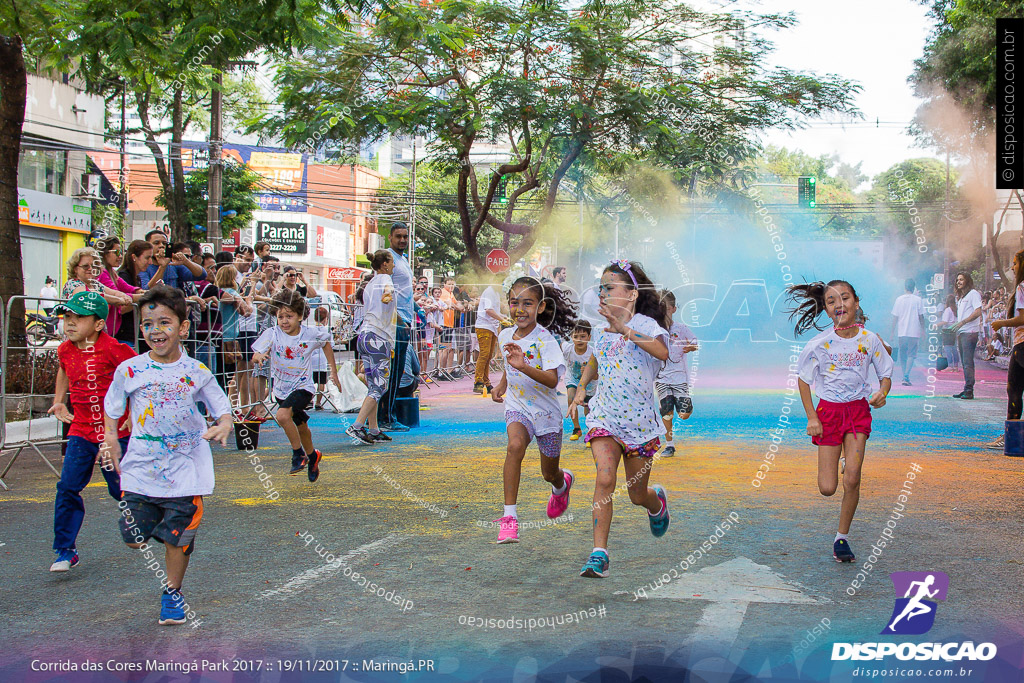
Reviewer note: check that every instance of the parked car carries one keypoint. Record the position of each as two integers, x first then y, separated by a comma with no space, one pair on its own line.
339,317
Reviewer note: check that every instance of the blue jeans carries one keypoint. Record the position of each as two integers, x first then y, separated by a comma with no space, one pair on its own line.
386,406
75,473
207,355
968,342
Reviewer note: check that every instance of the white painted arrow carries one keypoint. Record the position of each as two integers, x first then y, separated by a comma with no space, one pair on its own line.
729,588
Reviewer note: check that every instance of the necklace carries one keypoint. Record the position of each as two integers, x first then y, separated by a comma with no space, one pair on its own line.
848,327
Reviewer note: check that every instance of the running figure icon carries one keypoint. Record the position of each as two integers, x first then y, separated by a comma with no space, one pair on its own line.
919,591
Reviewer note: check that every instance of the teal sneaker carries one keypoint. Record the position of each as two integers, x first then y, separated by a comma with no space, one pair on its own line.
659,523
596,566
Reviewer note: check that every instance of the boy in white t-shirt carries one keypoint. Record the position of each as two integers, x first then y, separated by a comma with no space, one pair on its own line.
673,380
291,347
168,466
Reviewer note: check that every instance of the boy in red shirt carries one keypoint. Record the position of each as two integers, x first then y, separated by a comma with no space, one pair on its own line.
88,359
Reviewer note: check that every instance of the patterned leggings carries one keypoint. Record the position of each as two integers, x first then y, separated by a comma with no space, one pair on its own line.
375,352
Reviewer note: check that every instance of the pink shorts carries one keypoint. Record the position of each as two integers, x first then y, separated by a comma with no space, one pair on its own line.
840,419
644,450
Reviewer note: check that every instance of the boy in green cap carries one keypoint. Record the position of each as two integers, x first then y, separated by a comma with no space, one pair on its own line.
87,359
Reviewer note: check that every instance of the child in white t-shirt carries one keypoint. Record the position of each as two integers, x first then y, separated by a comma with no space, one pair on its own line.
673,381
321,319
623,423
837,363
577,355
291,347
168,466
529,388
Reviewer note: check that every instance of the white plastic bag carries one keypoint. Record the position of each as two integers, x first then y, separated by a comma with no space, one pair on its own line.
350,399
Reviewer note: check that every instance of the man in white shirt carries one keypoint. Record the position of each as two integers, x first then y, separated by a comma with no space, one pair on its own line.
488,318
908,324
967,328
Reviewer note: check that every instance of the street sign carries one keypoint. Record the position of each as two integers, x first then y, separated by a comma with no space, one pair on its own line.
497,261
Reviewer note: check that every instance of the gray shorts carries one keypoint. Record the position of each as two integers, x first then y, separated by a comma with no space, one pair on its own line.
674,398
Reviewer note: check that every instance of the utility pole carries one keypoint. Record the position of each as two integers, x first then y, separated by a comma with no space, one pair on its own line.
945,232
122,201
412,212
215,188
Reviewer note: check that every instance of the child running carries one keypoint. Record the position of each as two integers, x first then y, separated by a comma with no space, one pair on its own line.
577,355
321,318
836,362
673,382
376,343
623,422
291,347
168,466
533,368
88,359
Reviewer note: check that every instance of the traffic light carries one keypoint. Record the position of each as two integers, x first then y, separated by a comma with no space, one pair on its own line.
806,191
502,189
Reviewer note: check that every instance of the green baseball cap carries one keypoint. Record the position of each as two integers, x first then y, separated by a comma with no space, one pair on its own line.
85,303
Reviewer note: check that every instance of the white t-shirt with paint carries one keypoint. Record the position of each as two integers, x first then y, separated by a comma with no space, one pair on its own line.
676,371
379,316
575,362
291,357
965,307
625,401
167,456
908,310
838,369
488,301
527,396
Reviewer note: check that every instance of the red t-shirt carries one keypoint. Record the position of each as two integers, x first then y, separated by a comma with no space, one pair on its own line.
90,372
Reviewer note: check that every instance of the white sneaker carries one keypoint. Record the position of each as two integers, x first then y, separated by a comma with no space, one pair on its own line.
66,559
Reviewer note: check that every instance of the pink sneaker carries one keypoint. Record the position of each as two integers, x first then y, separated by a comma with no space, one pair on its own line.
509,529
557,504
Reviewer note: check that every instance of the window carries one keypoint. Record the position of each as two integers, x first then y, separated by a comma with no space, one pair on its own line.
43,170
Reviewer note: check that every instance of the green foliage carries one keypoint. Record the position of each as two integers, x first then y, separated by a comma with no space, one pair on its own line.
437,220
600,84
239,185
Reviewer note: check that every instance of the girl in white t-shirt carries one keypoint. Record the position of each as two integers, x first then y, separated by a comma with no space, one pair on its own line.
837,363
623,423
529,389
1015,319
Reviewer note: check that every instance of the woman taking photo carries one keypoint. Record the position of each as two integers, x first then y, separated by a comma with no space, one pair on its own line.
109,249
294,281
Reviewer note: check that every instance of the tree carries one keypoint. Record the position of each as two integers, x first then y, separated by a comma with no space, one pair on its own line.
437,218
603,83
24,31
956,76
168,55
239,187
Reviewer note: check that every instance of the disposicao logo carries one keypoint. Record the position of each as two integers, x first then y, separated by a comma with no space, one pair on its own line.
914,614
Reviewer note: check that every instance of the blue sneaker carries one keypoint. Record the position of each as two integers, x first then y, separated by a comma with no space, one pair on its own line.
659,523
596,566
841,551
172,608
66,559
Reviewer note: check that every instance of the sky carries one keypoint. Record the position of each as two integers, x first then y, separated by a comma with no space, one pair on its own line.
872,42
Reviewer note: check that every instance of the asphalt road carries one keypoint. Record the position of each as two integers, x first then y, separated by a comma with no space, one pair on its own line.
413,518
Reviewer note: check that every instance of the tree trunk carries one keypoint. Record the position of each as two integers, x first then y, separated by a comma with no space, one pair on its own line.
169,168
13,89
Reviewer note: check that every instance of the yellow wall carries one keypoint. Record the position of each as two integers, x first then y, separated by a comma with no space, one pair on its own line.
69,241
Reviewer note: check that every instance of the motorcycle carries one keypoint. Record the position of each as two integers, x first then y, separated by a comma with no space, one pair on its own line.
41,329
